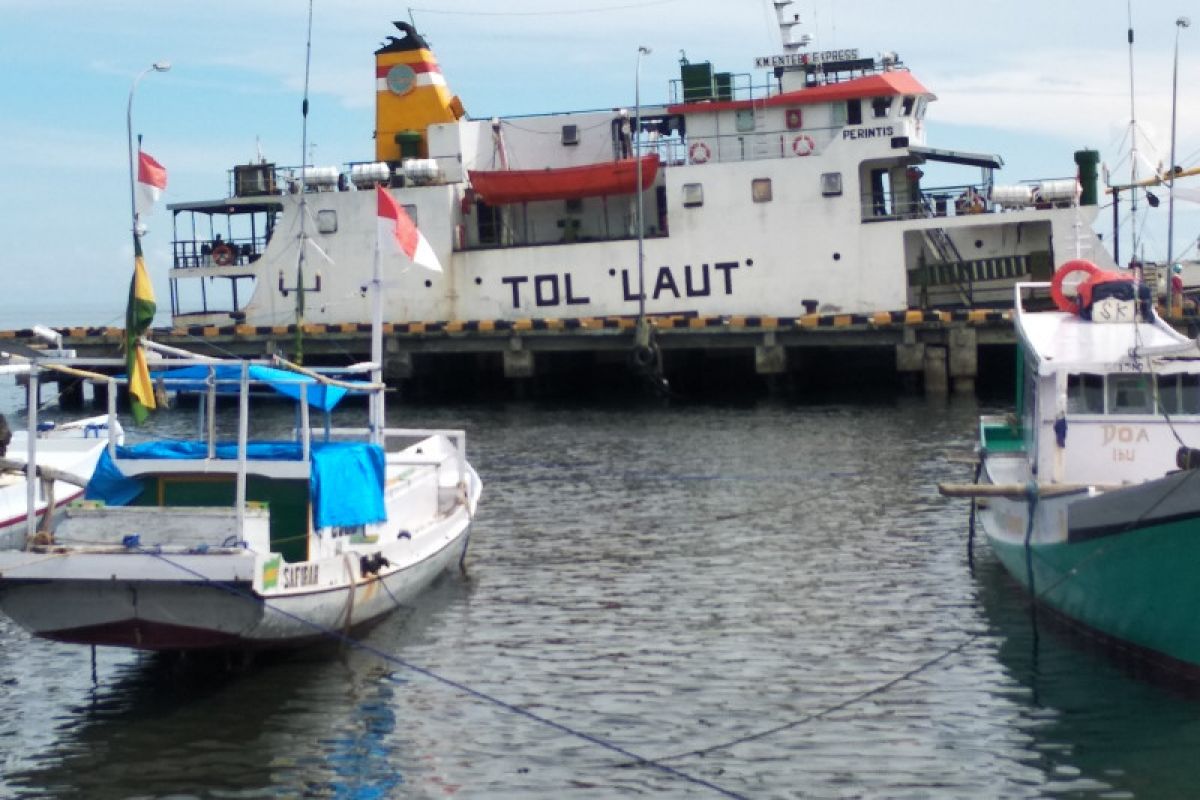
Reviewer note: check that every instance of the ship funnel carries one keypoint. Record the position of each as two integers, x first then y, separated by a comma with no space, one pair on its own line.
410,95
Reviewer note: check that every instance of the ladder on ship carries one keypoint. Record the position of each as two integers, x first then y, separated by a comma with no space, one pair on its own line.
942,246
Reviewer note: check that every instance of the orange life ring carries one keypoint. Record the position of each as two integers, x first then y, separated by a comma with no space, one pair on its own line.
1061,301
803,145
222,255
699,152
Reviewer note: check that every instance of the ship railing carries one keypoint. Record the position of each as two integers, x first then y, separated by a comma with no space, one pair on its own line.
206,252
926,203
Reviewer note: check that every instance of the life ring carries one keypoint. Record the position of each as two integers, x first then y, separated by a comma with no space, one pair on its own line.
699,152
1061,301
222,255
803,145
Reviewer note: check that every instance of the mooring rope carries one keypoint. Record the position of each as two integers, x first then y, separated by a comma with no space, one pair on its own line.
858,698
633,758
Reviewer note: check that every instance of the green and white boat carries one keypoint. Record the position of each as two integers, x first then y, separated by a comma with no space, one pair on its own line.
1088,493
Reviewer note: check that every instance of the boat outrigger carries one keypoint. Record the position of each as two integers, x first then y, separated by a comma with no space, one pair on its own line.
794,188
243,544
1090,494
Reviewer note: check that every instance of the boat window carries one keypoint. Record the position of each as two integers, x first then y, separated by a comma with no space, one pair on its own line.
854,112
839,114
906,106
693,195
831,184
760,190
1179,394
1129,394
745,120
1085,394
921,106
327,221
881,106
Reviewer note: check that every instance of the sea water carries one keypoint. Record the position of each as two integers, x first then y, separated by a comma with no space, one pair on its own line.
765,599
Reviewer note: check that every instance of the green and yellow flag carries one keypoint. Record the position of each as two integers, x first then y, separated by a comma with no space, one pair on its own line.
138,317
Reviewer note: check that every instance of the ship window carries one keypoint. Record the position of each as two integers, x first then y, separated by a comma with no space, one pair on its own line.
906,106
693,195
327,221
921,106
839,114
1129,394
854,112
745,120
1179,394
570,134
881,106
1085,394
831,184
760,190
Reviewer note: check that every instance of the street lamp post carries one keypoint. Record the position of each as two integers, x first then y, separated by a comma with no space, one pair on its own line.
1180,24
157,66
637,155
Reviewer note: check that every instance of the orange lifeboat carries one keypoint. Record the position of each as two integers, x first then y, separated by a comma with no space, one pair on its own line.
501,187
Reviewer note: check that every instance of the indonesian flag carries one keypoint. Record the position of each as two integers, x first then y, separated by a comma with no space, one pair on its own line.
396,226
151,181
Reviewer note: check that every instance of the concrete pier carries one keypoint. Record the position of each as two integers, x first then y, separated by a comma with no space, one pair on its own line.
933,351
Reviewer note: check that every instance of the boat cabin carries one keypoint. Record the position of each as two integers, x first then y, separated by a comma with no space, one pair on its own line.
1099,395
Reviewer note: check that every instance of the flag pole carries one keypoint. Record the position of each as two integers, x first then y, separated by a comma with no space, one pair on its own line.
376,405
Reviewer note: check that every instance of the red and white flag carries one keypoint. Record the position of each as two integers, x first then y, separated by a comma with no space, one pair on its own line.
151,181
396,226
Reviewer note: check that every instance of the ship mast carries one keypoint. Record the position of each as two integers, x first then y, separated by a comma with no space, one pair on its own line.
787,21
299,355
1133,154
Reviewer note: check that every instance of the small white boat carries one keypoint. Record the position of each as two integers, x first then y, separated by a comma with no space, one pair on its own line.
207,544
65,453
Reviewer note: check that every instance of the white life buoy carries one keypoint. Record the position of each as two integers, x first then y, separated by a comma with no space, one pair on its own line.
699,152
803,145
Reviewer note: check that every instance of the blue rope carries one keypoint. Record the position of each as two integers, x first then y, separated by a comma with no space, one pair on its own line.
487,698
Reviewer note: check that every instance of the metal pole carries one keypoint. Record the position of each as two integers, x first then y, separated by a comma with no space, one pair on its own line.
157,66
637,154
1180,24
31,457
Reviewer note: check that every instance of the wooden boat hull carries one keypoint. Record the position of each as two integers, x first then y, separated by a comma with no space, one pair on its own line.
1134,583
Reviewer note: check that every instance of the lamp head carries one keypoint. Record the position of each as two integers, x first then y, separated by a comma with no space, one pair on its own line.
161,66
1183,22
644,50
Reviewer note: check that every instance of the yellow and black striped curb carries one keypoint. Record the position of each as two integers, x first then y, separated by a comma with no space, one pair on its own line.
877,319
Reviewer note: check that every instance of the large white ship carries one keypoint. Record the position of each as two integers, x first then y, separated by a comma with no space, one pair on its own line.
795,189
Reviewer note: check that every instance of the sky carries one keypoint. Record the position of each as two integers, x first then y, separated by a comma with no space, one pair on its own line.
1030,81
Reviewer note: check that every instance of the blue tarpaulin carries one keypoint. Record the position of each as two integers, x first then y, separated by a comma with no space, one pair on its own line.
345,482
228,376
